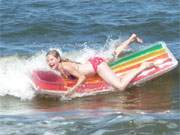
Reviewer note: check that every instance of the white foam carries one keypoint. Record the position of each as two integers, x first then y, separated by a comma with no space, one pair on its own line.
15,75
15,71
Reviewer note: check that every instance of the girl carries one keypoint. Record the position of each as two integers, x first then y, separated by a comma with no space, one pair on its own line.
95,65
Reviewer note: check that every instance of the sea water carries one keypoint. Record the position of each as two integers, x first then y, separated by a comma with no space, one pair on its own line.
80,29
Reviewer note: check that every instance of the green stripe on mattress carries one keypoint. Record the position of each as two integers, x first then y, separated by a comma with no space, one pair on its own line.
154,47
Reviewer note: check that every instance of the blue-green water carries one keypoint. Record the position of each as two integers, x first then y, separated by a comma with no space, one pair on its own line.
81,28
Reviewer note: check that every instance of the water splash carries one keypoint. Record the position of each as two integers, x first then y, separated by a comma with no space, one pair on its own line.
15,75
15,71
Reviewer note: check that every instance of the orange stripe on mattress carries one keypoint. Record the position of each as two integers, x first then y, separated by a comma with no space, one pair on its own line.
136,65
140,60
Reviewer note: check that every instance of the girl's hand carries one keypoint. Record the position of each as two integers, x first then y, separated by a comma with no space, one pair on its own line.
70,92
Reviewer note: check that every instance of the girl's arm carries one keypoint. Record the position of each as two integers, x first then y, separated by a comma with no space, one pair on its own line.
73,71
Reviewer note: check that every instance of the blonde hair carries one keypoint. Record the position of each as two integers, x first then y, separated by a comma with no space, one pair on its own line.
56,54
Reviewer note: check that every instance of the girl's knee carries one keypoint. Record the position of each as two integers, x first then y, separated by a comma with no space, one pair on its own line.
121,88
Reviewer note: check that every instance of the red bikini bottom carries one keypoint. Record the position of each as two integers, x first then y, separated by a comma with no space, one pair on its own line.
96,61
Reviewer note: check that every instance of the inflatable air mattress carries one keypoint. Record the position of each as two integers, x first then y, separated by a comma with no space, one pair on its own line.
48,82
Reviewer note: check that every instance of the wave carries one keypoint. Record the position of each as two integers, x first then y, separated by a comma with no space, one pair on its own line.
15,71
15,75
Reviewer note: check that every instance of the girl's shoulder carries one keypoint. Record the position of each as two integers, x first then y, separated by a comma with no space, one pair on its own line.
68,65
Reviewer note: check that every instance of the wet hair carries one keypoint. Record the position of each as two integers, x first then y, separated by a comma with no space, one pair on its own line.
56,54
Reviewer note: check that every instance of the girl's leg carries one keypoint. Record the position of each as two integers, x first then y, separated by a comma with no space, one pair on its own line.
124,45
105,72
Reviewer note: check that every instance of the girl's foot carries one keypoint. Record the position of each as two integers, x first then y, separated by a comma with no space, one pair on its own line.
135,38
124,46
147,65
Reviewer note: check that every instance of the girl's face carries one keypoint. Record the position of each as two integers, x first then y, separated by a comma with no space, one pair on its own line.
53,62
